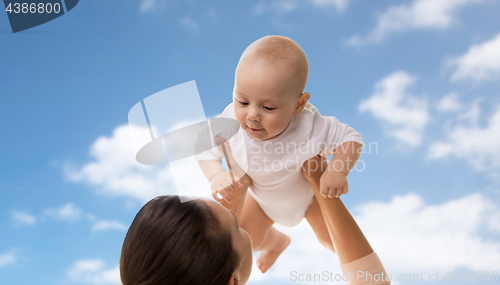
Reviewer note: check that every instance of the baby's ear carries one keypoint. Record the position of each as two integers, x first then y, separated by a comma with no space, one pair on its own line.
301,103
233,281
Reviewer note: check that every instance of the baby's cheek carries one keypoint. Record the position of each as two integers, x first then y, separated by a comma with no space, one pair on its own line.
239,117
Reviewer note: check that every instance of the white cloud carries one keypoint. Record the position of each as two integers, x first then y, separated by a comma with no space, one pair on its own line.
480,146
449,103
420,14
23,218
471,116
115,172
341,5
108,225
403,116
285,6
406,232
147,5
68,212
480,63
7,259
151,5
93,271
189,24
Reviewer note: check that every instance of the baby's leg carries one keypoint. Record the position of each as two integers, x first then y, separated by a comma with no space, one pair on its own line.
265,238
315,218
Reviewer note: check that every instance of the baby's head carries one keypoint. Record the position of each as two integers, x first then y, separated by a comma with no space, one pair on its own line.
269,86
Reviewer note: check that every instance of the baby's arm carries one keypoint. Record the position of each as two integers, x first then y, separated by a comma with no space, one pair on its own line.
333,182
233,193
220,180
344,144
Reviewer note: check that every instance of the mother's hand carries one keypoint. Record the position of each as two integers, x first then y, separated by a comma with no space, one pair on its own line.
241,181
312,170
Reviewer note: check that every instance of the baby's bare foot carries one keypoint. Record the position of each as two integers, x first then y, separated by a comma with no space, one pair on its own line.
266,258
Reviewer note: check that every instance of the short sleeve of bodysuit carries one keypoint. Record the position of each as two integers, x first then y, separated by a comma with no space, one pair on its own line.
329,133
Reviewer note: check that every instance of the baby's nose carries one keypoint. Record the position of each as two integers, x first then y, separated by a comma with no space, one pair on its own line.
253,115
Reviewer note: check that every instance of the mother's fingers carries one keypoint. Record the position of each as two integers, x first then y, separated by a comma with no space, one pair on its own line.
231,189
238,173
225,145
226,149
225,196
219,139
216,198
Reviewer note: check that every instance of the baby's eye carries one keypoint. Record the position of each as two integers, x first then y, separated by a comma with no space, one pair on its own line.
243,103
269,108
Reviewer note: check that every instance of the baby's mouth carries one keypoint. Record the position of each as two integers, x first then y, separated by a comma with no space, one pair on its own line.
255,130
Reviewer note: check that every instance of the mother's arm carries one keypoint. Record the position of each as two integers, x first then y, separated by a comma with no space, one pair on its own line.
238,197
350,243
236,206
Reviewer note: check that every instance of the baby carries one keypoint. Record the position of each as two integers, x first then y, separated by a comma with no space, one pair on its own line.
279,131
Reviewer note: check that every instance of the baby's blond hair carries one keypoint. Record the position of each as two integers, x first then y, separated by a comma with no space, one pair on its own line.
279,48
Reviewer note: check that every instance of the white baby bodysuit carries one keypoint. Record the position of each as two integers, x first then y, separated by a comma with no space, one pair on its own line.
275,165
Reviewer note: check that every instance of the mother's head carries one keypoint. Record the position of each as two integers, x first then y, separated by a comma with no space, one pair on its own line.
195,242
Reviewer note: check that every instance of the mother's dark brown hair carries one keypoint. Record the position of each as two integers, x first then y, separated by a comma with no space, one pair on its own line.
176,243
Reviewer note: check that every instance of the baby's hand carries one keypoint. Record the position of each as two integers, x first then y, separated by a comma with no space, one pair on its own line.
222,183
333,184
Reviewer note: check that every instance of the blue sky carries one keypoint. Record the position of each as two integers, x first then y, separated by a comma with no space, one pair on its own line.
418,79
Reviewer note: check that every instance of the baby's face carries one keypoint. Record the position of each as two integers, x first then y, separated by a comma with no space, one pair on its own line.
263,99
